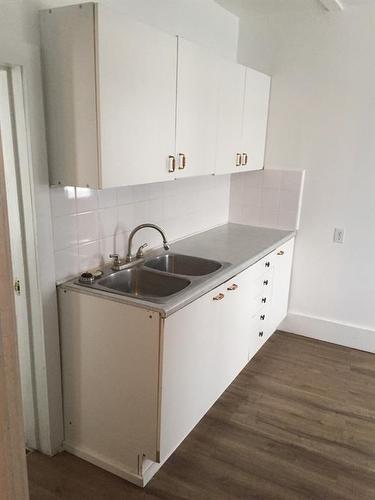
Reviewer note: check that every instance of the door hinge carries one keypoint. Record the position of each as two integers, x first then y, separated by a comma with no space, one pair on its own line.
17,287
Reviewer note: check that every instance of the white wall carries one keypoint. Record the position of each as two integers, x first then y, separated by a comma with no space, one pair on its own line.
202,21
322,119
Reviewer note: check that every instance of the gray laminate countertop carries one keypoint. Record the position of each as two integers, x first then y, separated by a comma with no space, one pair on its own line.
236,245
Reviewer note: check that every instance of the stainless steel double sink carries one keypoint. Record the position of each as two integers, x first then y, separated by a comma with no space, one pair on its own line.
158,278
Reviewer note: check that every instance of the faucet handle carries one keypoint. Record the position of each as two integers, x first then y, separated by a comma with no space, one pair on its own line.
140,251
115,257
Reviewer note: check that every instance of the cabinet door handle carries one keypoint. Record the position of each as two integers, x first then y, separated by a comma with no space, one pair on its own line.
264,300
281,252
238,159
267,264
219,296
265,282
181,161
260,334
172,163
244,159
262,317
232,287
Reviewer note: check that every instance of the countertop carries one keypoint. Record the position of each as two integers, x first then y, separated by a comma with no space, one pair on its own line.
238,245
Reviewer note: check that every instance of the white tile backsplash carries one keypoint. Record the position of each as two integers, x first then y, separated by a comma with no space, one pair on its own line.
86,199
63,201
270,198
90,224
107,222
89,255
103,219
65,231
67,262
107,198
88,230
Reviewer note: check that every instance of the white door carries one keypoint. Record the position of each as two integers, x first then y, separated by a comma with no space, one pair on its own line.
17,251
137,88
233,318
255,118
229,135
197,110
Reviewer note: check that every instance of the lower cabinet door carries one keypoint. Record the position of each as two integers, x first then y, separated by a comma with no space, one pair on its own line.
204,347
283,258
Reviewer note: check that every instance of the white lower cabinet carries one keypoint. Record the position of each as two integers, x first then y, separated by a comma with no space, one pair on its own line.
283,259
204,348
136,384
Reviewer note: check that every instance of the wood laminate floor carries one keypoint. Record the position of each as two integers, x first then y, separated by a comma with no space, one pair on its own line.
297,423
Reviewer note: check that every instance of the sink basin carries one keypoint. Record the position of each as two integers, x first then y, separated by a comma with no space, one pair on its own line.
183,264
141,283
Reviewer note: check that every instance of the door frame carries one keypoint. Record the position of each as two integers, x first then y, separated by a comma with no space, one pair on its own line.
13,477
47,385
14,133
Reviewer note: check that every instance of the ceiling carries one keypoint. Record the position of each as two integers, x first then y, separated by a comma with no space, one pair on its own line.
266,7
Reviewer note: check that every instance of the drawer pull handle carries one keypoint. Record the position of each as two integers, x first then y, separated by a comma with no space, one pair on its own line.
267,264
172,164
264,300
281,252
219,296
244,159
232,287
262,317
238,159
260,334
265,282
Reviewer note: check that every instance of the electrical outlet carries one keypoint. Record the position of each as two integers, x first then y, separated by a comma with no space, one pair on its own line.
338,235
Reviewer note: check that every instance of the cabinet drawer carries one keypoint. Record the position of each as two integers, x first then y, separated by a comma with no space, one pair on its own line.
260,329
259,301
263,265
256,271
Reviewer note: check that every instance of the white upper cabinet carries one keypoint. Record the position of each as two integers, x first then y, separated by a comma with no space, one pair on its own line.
69,74
231,100
256,100
242,123
137,86
197,108
110,97
127,104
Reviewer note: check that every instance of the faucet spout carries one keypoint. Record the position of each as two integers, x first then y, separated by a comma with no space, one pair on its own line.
129,256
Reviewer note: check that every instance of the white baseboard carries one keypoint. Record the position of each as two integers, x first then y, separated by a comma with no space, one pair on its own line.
330,331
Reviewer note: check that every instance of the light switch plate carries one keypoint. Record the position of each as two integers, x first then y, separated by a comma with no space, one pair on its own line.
338,235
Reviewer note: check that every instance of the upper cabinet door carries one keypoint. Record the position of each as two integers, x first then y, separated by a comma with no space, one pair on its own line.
197,107
137,88
231,99
255,118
